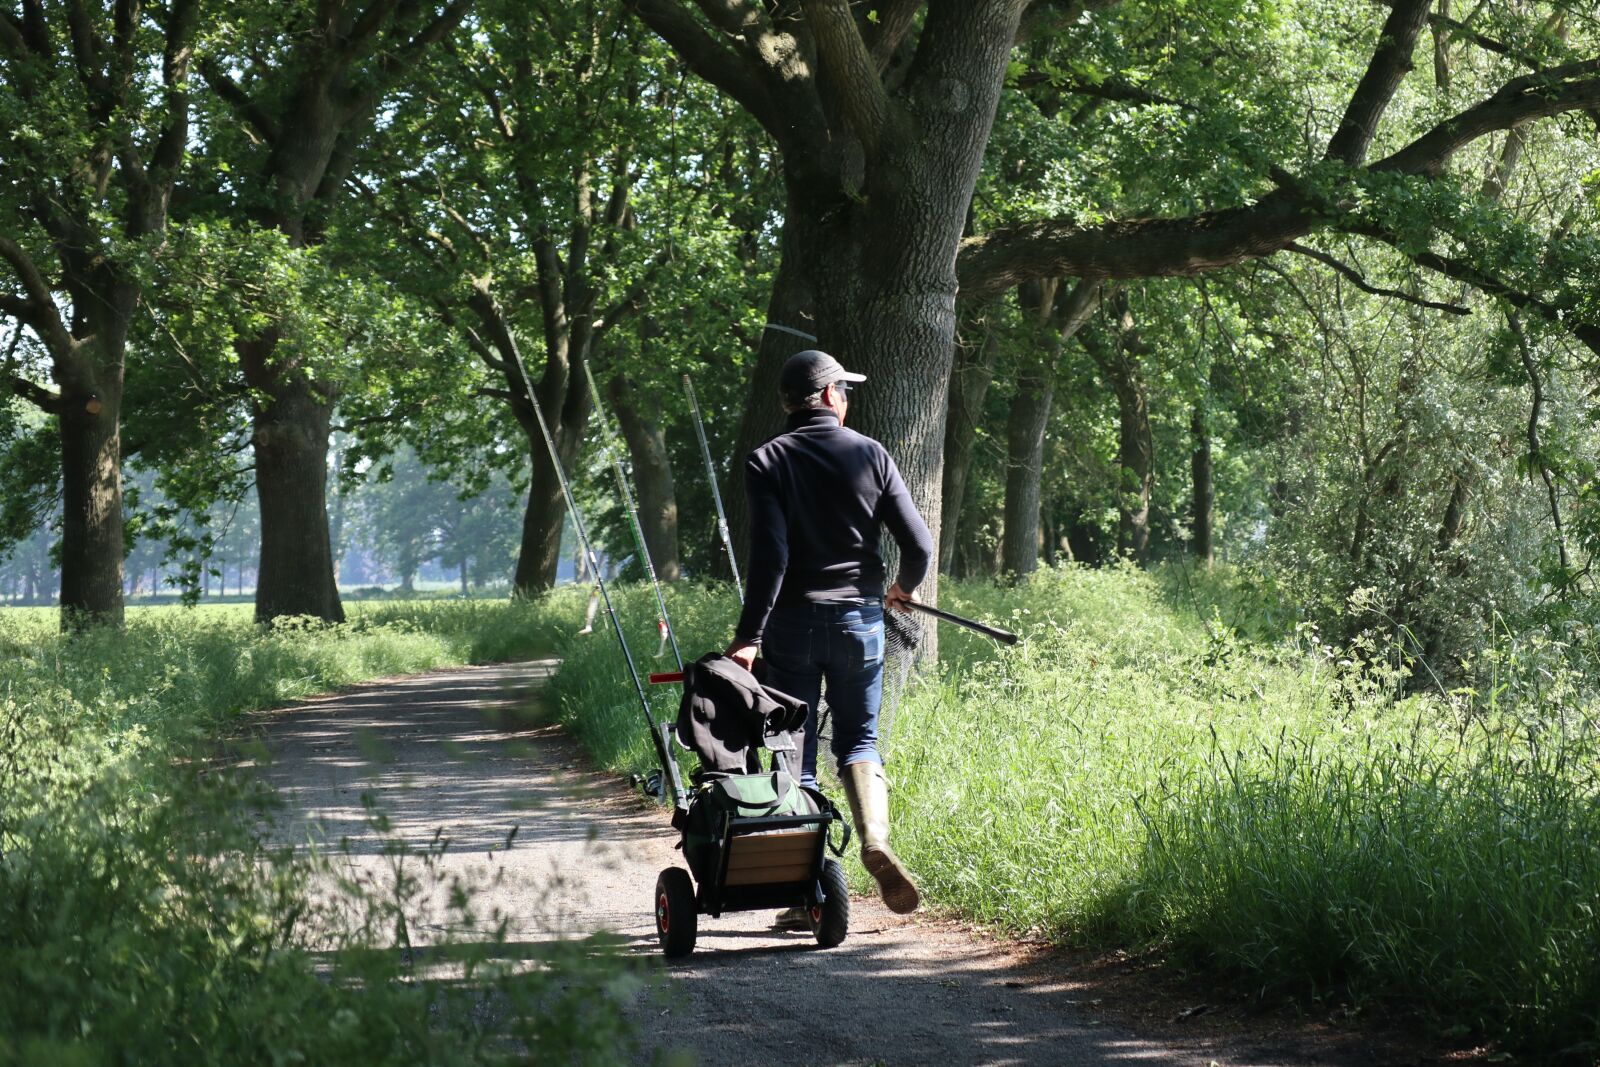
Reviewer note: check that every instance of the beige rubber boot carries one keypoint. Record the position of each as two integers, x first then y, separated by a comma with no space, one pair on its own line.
868,792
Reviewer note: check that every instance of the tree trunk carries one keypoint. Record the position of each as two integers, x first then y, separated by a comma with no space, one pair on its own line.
291,449
466,590
1117,356
1056,316
1025,426
792,306
878,181
969,384
1135,450
91,501
1200,470
1030,414
652,476
540,556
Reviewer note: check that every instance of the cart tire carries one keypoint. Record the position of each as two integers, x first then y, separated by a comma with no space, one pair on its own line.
830,920
676,912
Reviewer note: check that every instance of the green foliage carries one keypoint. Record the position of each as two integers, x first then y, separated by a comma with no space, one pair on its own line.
145,920
1170,758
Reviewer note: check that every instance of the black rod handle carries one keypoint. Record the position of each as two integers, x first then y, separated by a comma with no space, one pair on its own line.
1005,637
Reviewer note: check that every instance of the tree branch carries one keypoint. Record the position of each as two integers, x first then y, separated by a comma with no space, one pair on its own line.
1074,309
1376,290
367,26
894,22
724,68
431,34
1460,29
1391,62
181,20
44,318
86,58
21,310
1572,87
11,37
34,27
633,299
236,98
35,394
996,261
1536,455
849,73
1462,271
733,17
1111,89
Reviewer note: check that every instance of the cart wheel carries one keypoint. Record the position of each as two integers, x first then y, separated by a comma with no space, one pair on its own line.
830,920
676,916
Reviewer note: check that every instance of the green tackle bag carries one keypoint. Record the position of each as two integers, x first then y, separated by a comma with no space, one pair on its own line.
743,796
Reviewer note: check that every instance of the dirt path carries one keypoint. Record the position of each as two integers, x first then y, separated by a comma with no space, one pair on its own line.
450,752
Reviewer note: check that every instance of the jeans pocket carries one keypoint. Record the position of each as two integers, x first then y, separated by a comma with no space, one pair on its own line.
866,643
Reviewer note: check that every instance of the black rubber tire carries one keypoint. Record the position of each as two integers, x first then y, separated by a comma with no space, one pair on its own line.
677,916
830,920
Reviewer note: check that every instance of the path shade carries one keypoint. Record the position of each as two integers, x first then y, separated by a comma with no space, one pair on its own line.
458,754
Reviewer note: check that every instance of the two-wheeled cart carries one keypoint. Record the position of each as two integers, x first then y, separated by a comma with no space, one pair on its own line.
751,841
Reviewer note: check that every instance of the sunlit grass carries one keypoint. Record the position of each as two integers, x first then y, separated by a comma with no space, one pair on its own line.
142,918
1137,772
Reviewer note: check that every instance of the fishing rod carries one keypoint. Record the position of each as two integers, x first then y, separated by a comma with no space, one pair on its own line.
615,456
716,494
659,732
1003,636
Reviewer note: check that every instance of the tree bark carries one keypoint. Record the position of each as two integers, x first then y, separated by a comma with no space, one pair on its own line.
1057,316
291,450
542,522
1135,452
90,418
652,475
792,305
90,212
969,384
877,190
1118,359
1200,474
1030,414
1025,427
312,111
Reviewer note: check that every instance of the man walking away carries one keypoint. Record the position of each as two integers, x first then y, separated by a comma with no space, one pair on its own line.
820,495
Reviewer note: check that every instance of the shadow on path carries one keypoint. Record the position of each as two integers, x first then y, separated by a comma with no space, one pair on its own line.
460,755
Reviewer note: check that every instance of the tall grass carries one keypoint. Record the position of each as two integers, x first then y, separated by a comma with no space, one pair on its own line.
1165,759
142,920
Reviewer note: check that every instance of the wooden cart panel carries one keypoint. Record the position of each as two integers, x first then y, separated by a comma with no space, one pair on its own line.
762,859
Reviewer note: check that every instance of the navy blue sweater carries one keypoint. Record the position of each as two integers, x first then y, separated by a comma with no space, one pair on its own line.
820,495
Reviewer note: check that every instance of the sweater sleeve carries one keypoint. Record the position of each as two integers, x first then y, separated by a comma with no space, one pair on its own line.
769,551
900,517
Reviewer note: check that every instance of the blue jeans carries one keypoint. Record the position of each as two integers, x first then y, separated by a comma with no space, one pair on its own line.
842,643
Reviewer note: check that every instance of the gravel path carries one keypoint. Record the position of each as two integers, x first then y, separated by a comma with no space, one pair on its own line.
456,752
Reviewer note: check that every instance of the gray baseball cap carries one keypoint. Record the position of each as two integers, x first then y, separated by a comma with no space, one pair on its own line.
806,372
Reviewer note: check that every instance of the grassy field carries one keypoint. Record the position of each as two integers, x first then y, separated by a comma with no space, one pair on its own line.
1166,762
141,921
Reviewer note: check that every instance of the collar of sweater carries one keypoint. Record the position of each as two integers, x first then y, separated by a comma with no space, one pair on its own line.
812,417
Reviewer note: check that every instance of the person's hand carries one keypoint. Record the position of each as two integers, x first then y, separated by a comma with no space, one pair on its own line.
898,598
743,654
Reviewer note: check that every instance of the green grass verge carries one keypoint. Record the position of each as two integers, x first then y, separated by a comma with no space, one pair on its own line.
1136,772
141,918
